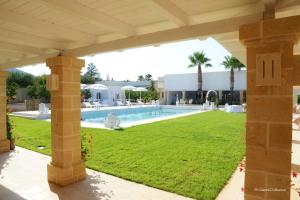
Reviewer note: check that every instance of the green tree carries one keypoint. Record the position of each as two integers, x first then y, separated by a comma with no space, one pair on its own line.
198,59
38,89
92,71
87,80
11,91
86,94
148,77
141,78
91,75
21,79
151,87
231,63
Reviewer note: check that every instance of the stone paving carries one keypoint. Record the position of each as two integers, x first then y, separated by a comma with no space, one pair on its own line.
23,176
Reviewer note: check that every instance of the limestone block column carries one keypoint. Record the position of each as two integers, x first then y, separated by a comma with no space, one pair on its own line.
241,96
269,107
4,142
66,166
220,96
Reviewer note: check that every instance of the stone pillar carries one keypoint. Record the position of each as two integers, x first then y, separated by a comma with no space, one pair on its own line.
4,142
66,166
269,107
184,95
220,96
241,96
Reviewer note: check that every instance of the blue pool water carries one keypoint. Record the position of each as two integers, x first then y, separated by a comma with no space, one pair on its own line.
133,114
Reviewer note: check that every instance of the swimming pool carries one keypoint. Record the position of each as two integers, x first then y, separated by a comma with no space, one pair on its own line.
136,114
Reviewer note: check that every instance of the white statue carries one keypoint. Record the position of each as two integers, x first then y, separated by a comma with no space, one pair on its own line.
43,109
212,105
111,121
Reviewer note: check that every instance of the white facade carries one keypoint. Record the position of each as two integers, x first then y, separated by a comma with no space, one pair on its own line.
114,91
211,81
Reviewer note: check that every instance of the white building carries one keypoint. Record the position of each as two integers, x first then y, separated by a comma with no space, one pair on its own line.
114,91
185,85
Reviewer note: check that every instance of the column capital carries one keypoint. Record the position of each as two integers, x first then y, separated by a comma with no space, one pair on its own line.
271,31
65,62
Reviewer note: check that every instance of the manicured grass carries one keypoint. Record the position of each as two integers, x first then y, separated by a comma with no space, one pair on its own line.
193,156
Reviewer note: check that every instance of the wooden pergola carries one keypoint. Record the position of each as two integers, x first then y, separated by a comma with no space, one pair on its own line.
261,33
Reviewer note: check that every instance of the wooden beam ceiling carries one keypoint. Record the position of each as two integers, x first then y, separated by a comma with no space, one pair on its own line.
39,26
178,34
30,40
21,48
92,16
172,12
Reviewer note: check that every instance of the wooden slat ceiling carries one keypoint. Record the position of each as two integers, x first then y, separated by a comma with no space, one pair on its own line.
32,30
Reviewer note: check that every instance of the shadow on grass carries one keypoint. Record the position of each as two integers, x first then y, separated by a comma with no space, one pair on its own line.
119,129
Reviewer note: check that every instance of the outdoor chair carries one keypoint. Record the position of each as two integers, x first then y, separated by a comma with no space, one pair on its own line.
139,102
128,103
97,104
119,103
87,105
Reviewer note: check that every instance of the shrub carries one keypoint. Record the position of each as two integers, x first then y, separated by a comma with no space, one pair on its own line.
86,146
11,91
146,95
9,132
38,89
85,94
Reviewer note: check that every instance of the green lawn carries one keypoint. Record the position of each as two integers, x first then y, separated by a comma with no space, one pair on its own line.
192,156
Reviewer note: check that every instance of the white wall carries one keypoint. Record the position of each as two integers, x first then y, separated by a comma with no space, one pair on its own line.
211,81
108,95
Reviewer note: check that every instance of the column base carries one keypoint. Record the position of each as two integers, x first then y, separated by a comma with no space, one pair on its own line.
65,176
4,145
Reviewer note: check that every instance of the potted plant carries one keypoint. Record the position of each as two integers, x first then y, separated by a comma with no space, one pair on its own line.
9,134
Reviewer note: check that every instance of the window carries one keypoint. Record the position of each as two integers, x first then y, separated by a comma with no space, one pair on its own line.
98,96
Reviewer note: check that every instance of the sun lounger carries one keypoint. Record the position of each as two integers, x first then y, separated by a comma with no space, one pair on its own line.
97,104
119,103
157,102
87,105
128,103
181,101
140,102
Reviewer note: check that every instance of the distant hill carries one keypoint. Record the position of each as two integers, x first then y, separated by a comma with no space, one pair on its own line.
17,70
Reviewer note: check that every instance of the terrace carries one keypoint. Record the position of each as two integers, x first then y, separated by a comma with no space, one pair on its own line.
262,33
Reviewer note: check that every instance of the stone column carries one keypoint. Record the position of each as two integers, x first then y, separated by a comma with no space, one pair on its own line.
269,107
66,166
241,96
184,96
220,95
4,142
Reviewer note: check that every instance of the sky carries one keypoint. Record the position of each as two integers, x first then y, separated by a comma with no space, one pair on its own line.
169,58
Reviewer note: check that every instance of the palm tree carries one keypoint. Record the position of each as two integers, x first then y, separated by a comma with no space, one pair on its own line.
232,64
197,60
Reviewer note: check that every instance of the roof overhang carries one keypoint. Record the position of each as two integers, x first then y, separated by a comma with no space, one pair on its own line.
31,31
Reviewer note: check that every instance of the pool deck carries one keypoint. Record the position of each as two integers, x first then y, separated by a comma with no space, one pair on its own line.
37,115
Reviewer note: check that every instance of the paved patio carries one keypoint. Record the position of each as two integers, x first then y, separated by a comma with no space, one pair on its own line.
20,181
